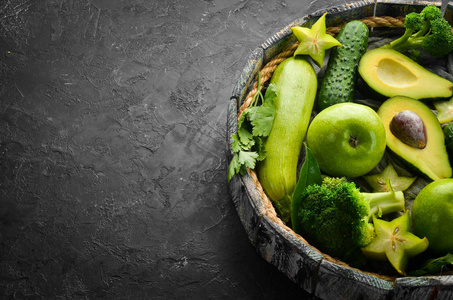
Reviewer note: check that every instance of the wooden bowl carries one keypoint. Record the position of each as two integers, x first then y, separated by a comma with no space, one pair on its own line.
316,272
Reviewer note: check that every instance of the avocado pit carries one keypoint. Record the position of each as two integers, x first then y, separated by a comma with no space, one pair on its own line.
431,162
409,128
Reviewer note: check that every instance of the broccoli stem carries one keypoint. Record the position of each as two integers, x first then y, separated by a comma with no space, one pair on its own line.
400,41
384,202
410,44
425,28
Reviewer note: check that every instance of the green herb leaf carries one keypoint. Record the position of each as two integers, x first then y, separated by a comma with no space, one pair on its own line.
242,170
248,158
234,166
309,174
254,124
236,143
435,266
246,137
260,149
262,119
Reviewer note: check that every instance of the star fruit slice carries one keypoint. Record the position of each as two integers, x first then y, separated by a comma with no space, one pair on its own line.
445,110
315,41
379,184
394,242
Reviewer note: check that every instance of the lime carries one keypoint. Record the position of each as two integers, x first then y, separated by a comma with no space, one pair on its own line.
432,215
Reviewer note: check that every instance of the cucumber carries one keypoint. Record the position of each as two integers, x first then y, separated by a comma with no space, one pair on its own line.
338,84
296,85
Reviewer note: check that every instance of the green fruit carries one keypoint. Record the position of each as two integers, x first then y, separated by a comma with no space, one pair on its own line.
347,139
448,132
296,84
338,84
445,110
394,242
432,160
391,73
432,215
314,41
398,183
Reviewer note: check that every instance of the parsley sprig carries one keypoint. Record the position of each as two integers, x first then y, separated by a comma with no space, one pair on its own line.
254,125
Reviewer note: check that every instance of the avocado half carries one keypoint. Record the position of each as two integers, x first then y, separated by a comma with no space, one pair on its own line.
432,160
390,73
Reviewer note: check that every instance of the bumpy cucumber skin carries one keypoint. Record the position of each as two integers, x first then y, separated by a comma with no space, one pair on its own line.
296,84
339,82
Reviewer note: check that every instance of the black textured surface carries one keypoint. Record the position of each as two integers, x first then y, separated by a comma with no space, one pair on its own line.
112,149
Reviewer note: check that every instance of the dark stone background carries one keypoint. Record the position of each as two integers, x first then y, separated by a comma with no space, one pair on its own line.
112,148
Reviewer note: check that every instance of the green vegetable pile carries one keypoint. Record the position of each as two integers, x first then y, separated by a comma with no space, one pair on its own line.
336,215
360,163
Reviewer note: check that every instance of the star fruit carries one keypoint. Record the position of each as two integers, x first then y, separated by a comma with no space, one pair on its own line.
315,41
394,242
398,183
445,110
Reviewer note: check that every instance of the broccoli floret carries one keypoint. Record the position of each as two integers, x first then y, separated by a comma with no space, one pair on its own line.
336,217
427,31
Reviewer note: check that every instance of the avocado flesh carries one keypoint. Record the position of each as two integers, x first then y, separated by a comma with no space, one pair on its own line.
391,73
432,161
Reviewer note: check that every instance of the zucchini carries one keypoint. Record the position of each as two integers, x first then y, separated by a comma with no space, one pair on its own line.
338,84
296,83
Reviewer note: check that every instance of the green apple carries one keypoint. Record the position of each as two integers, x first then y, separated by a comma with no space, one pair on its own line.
347,139
432,215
